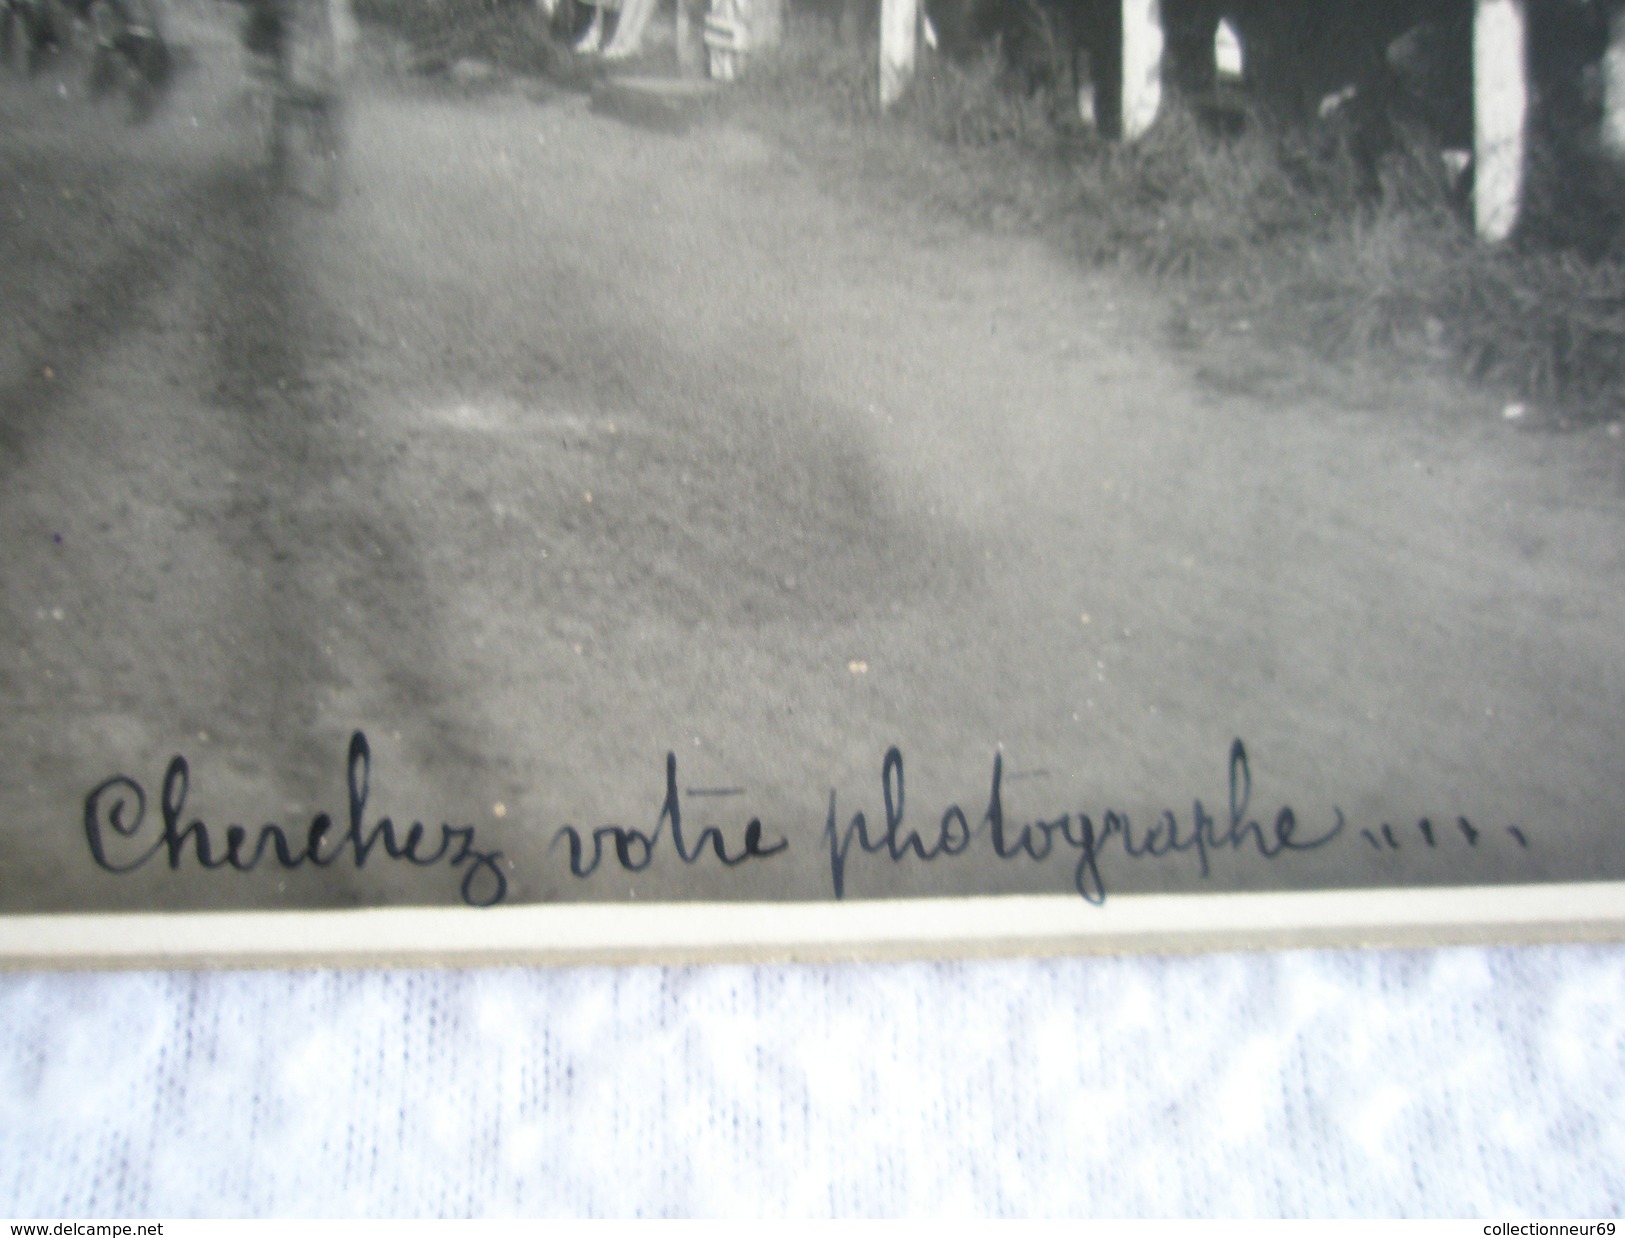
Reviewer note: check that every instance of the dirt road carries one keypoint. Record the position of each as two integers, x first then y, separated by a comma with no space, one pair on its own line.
560,444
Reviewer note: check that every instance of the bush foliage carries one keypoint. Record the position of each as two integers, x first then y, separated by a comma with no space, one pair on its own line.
1283,228
510,34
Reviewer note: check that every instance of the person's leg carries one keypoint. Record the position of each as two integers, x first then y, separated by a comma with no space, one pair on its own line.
594,36
628,38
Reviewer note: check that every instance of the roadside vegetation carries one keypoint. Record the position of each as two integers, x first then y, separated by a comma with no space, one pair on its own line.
513,37
1283,235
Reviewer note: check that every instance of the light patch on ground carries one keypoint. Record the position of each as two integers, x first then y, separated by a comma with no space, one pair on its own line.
495,415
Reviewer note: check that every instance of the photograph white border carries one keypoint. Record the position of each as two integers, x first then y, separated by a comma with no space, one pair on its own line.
965,927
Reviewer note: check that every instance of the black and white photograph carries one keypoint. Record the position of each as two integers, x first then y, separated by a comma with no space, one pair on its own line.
478,455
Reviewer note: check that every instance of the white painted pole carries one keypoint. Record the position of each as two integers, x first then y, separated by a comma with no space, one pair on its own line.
899,22
1500,108
1613,87
1142,65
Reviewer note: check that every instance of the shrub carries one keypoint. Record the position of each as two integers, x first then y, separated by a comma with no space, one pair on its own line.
1293,229
813,68
971,104
510,34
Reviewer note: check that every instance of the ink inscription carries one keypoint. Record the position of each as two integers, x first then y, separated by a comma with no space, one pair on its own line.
120,842
1036,840
123,837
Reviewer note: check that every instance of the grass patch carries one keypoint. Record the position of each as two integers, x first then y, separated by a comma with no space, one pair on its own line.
511,35
1281,230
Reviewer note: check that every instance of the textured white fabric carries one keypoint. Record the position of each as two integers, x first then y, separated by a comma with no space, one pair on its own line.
1455,1082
